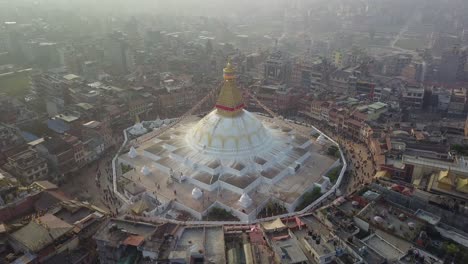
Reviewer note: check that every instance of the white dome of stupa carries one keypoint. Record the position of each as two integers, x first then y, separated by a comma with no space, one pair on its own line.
197,193
132,153
145,170
229,131
240,135
245,201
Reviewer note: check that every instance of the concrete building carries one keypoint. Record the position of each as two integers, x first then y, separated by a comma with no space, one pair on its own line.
457,104
78,149
90,70
366,89
9,137
176,94
277,68
452,65
307,74
28,166
394,64
118,54
40,234
58,232
278,98
14,41
124,239
345,81
413,97
60,155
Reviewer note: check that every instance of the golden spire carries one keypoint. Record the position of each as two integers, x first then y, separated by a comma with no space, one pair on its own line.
230,98
137,119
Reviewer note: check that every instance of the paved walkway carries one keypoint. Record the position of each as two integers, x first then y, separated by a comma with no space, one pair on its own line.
360,165
93,184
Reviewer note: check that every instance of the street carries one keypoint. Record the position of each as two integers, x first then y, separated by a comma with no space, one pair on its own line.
361,169
94,184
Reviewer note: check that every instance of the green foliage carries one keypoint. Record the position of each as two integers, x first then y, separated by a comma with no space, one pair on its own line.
15,85
220,214
460,149
125,168
271,209
451,248
333,151
308,198
411,43
334,173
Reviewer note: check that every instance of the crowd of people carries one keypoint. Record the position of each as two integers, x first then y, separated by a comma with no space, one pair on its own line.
108,198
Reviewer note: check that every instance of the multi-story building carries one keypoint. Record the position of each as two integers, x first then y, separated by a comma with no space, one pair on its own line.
140,105
14,41
452,65
118,54
9,137
59,229
55,90
316,110
277,68
441,99
415,72
413,97
90,70
65,123
457,104
307,74
27,165
78,149
344,80
278,98
375,110
366,88
176,95
98,129
394,64
60,155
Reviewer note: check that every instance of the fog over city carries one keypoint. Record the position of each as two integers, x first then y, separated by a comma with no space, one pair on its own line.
244,131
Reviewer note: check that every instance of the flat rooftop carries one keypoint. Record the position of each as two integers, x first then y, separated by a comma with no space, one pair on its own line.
208,239
383,215
291,250
383,247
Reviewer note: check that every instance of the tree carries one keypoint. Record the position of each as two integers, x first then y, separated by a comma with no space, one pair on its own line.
451,249
309,197
333,151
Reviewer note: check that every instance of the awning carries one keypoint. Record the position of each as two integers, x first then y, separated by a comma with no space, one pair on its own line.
462,185
273,225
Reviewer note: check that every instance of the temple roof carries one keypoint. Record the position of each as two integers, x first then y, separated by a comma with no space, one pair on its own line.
462,185
444,177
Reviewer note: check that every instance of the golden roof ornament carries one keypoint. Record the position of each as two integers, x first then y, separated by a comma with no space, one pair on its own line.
137,119
230,101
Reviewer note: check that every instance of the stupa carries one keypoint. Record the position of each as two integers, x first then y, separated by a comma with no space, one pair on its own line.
237,159
132,153
229,131
138,128
145,170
